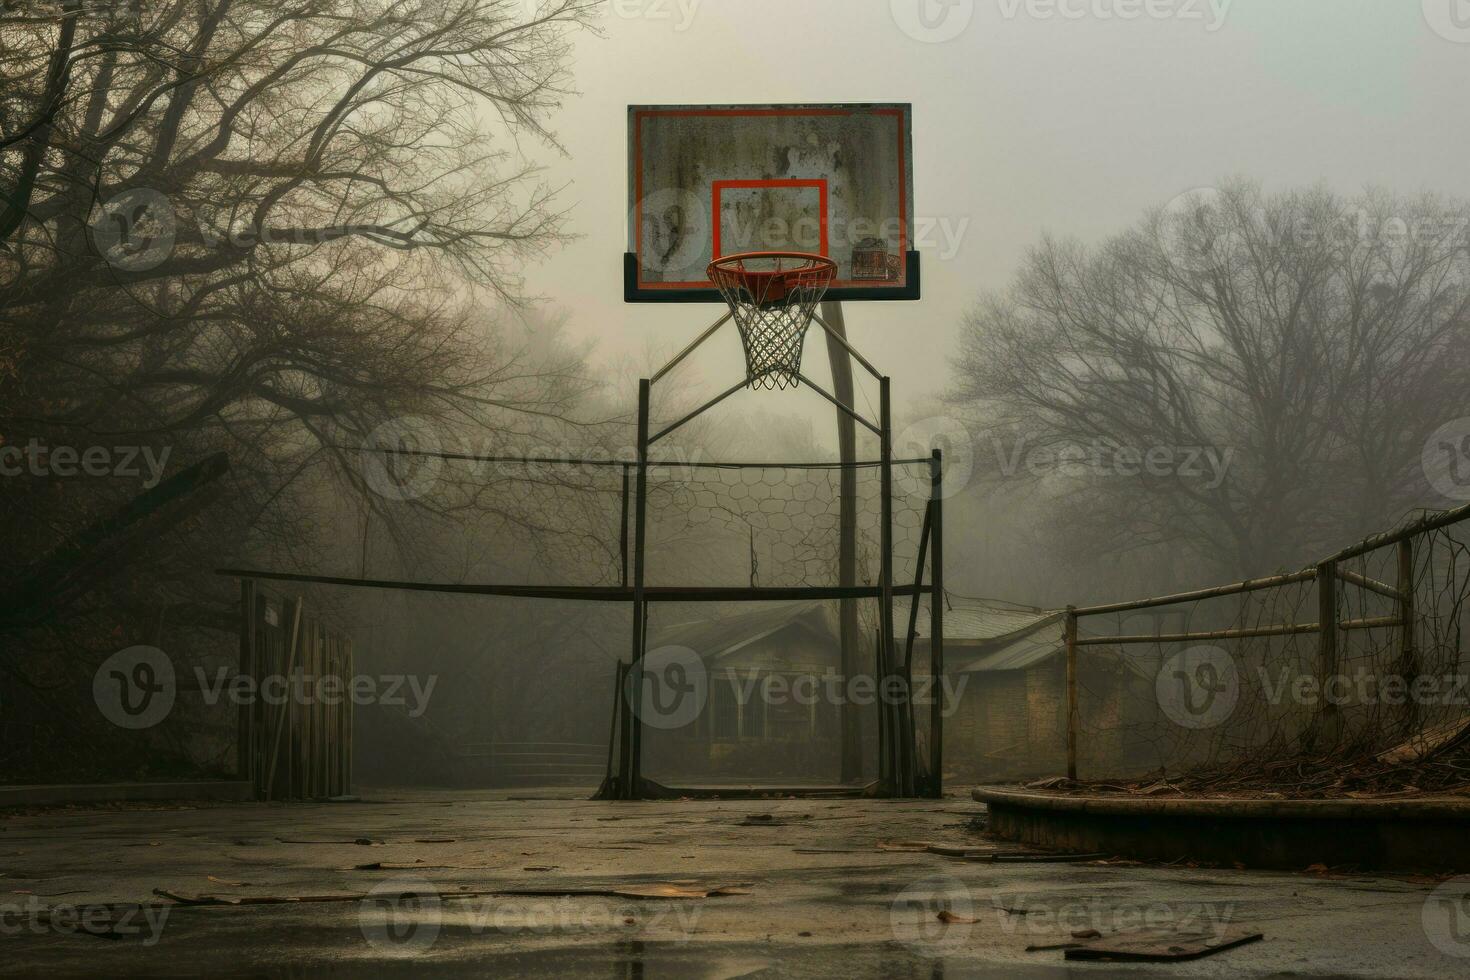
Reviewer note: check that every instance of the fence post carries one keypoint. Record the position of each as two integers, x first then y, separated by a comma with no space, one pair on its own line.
1326,720
1071,638
1408,656
245,737
936,621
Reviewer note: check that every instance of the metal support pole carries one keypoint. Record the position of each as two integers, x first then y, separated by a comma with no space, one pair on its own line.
1071,639
850,721
623,531
245,738
1325,724
1408,655
633,772
936,623
902,733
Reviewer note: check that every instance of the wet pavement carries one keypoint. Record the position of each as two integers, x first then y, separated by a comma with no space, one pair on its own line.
441,885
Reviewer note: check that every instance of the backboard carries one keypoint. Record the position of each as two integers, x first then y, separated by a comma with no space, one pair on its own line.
710,181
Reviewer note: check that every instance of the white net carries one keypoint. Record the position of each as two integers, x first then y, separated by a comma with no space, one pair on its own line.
773,297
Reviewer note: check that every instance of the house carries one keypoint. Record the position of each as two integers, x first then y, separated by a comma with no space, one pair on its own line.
774,687
748,728
1007,666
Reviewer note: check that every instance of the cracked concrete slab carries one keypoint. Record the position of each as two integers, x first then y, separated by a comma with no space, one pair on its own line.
815,895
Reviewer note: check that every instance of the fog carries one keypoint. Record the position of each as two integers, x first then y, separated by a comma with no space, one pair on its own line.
1023,125
1196,310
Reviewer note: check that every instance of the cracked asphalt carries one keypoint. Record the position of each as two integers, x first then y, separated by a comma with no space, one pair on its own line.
537,883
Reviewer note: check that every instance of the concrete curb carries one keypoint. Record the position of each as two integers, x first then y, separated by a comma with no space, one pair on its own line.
224,790
1410,834
1420,808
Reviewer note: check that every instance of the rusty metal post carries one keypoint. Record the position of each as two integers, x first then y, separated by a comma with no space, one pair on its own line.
902,730
633,770
936,622
623,532
1072,714
1408,655
850,721
1324,725
245,735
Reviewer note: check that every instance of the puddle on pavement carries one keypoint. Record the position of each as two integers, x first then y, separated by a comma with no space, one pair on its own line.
656,961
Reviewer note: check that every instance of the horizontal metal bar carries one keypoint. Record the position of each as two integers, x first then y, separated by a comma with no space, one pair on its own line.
1372,585
576,461
1432,522
1230,634
596,593
840,407
1239,634
1369,624
693,346
1235,588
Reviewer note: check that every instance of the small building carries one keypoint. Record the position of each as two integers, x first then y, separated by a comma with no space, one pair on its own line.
1007,668
771,714
741,732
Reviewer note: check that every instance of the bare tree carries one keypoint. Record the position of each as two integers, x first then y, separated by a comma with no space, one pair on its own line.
265,227
1247,377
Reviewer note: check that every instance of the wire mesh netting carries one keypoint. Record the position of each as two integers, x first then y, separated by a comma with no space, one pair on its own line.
709,524
779,525
1381,705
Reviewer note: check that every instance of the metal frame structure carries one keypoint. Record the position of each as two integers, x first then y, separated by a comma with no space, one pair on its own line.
898,770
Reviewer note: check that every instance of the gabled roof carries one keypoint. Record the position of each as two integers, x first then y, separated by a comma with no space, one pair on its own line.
722,635
1006,635
968,620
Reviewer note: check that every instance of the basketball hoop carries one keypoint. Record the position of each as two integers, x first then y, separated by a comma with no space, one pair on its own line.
773,296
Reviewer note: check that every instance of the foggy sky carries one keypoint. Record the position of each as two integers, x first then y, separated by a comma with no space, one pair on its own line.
1035,118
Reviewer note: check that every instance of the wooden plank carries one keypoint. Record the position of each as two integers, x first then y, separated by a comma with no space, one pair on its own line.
281,720
1163,947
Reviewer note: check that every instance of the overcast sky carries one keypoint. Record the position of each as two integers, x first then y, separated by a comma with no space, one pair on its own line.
1029,117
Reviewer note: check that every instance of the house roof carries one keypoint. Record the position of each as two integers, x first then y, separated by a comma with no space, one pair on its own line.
1007,636
975,620
722,635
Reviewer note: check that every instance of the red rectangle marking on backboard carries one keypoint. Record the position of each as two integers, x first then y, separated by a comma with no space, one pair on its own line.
719,186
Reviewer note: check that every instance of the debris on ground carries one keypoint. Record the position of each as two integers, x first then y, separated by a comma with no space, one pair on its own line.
636,890
1039,857
1162,947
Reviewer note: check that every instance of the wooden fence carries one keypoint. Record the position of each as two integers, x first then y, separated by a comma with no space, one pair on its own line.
296,733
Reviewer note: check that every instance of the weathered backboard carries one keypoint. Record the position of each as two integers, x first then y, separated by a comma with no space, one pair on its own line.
707,181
